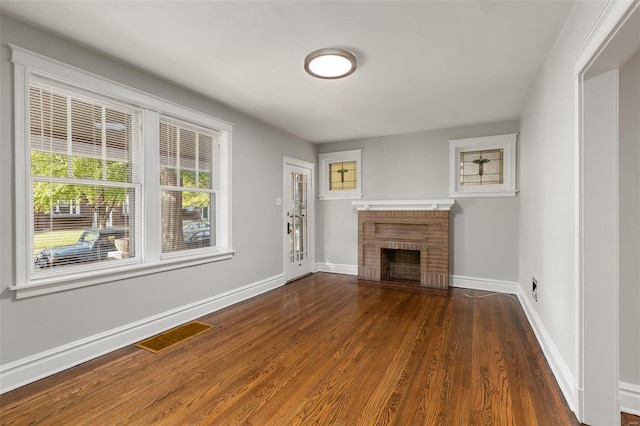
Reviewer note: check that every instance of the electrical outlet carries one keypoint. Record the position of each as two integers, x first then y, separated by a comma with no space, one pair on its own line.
534,288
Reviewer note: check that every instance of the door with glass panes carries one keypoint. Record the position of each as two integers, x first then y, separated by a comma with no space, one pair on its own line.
298,209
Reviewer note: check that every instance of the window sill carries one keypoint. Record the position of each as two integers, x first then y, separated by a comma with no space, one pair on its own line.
479,194
58,284
352,196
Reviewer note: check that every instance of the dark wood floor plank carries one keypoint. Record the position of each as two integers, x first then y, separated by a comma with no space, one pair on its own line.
326,349
456,363
514,356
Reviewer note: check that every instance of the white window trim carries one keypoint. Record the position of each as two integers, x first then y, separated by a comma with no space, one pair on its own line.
505,142
336,157
28,65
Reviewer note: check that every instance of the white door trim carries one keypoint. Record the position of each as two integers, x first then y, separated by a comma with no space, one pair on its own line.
612,18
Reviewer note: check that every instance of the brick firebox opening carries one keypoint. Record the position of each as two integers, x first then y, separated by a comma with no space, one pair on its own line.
424,232
401,265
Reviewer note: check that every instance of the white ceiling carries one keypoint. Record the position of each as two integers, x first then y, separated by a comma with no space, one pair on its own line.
421,64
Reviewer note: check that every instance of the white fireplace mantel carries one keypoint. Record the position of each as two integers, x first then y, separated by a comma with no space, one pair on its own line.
372,205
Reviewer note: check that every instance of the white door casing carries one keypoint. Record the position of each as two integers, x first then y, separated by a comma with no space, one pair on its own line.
606,48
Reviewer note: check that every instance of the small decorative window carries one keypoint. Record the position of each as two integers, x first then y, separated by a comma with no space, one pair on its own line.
340,175
483,167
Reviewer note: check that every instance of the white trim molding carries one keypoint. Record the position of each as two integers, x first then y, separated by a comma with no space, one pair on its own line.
335,268
439,204
300,163
497,286
629,398
126,272
43,364
561,371
611,19
612,15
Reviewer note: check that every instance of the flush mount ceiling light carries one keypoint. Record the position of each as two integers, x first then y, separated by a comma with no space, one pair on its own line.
330,63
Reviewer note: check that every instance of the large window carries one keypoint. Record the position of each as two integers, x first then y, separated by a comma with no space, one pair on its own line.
111,182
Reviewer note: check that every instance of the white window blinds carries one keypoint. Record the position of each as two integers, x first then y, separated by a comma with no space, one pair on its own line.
84,179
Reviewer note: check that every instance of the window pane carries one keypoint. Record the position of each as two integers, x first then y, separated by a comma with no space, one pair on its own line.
189,155
481,167
80,138
342,176
47,121
185,220
76,225
205,161
72,139
188,176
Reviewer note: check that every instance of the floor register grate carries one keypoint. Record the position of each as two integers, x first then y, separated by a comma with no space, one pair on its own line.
174,336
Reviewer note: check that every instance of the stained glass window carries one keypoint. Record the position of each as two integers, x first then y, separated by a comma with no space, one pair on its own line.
342,176
481,167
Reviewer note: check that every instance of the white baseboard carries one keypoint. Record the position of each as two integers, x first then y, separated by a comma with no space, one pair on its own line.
561,372
337,268
35,367
559,368
497,286
630,398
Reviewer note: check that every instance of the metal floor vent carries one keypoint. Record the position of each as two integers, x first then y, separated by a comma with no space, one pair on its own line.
172,337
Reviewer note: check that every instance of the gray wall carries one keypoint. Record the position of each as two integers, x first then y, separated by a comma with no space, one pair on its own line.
416,166
30,326
549,210
629,154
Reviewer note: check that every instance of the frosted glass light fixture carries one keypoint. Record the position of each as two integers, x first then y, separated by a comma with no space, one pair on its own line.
330,63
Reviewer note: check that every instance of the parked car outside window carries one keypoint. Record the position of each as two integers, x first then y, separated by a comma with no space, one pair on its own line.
197,239
93,246
194,226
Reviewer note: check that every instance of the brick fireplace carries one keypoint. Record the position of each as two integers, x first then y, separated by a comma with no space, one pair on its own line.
402,240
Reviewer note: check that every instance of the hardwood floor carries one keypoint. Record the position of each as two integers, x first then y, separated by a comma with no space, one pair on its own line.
327,349
630,420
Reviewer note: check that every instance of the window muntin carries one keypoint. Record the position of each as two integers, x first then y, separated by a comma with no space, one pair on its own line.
84,149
